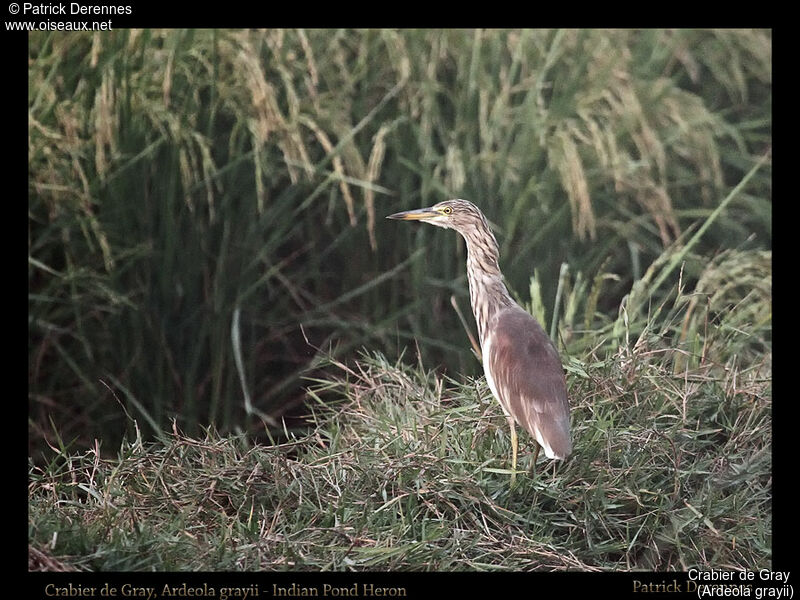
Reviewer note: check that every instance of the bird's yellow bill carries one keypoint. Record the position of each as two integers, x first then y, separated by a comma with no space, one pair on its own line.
414,215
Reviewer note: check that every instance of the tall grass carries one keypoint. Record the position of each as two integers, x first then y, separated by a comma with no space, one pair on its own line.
235,363
179,178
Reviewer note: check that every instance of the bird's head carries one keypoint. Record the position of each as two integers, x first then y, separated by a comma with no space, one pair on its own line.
461,215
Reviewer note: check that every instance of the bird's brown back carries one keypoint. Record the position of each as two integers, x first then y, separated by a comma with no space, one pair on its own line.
529,377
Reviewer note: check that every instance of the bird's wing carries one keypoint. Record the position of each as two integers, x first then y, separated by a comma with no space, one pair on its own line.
528,378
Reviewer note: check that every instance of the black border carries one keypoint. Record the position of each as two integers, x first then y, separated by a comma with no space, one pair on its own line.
416,585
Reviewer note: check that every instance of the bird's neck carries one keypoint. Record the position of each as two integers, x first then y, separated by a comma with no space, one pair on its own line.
487,292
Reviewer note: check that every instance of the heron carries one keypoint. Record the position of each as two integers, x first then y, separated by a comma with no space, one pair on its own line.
522,366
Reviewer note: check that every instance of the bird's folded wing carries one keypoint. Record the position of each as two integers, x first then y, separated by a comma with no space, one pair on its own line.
529,378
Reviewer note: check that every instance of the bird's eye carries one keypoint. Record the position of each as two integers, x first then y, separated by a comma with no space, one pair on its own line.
447,210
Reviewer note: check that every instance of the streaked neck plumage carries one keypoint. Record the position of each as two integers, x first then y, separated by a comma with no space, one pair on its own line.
487,292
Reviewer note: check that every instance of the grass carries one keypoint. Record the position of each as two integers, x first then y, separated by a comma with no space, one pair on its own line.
404,468
180,178
207,257
409,471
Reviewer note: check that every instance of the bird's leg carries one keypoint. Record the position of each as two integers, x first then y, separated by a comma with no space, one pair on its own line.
512,425
535,456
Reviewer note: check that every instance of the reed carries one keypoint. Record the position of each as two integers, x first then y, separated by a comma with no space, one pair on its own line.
181,177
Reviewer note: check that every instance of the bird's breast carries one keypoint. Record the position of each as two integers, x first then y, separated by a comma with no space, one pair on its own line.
485,354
